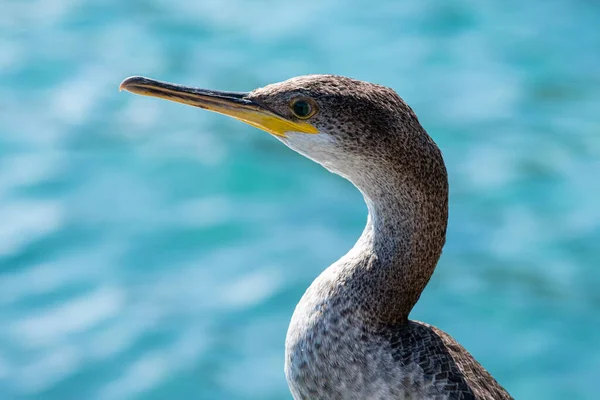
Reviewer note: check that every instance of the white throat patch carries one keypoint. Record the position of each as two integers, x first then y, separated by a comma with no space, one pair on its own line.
321,147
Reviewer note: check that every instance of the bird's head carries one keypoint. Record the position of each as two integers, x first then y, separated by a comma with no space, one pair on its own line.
351,127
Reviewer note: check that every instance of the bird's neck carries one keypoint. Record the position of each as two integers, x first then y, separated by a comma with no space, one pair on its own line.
396,255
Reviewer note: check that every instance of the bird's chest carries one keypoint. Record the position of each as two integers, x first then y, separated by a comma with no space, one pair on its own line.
330,354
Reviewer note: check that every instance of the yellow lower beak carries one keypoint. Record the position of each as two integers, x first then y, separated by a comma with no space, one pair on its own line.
235,105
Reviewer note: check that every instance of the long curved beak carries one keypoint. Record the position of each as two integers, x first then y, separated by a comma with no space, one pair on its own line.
233,104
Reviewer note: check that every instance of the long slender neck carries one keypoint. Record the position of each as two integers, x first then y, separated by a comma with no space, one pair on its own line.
394,258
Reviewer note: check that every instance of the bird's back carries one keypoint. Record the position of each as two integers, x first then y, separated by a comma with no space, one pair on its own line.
446,369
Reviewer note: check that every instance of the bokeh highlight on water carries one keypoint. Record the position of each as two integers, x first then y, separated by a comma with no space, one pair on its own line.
150,250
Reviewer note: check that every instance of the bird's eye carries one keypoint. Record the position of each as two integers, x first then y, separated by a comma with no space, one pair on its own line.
302,108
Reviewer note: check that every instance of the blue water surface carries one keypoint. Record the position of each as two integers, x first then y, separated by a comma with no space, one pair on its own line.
154,251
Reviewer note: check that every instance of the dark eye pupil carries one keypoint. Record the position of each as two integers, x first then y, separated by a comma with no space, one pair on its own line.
301,108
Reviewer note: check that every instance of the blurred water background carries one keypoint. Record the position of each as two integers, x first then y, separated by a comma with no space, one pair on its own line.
150,250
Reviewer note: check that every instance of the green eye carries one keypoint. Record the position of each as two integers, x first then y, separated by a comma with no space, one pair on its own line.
302,108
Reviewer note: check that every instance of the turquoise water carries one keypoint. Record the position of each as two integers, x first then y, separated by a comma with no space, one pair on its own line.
154,251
